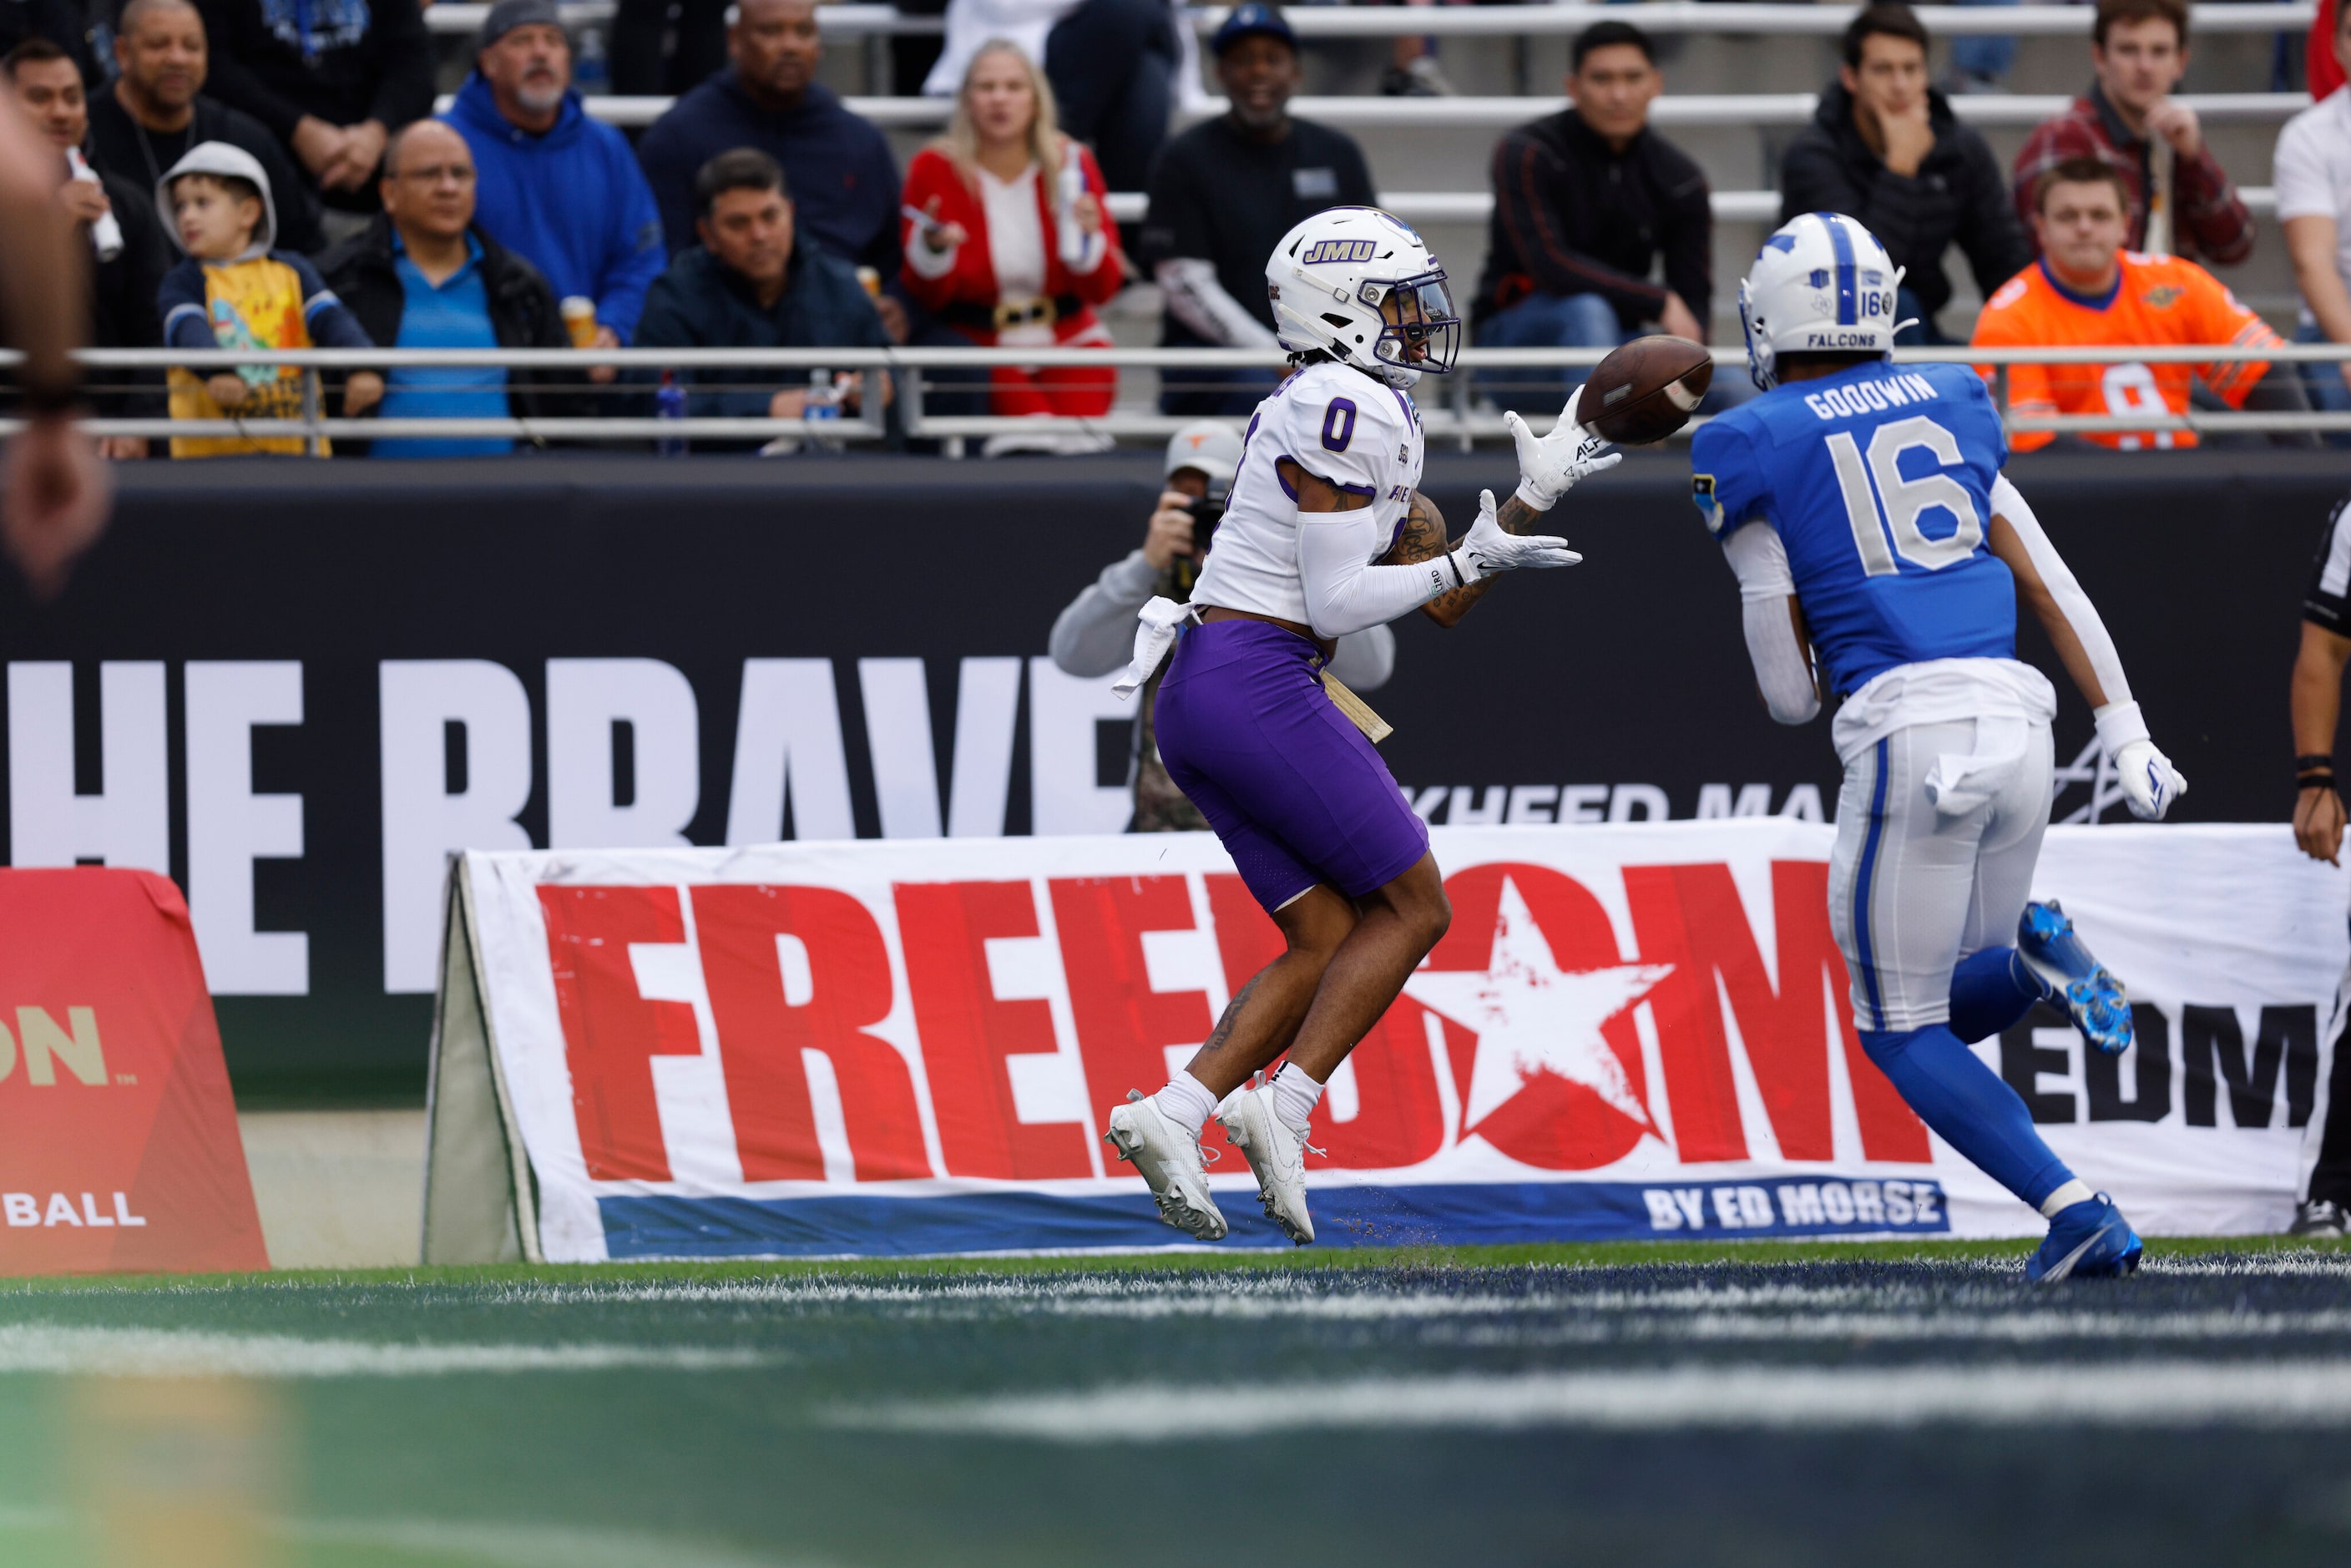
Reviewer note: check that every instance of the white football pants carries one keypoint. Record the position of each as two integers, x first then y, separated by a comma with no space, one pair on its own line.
1913,889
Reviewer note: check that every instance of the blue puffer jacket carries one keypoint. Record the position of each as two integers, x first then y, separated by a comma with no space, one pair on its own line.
572,202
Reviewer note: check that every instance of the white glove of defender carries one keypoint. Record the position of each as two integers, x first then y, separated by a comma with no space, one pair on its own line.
1551,465
2150,782
1486,549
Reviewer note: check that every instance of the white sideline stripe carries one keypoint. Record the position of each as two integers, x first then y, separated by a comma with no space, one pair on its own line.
2005,1328
2138,1394
60,1350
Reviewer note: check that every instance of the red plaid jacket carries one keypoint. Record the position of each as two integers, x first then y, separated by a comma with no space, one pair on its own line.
2209,220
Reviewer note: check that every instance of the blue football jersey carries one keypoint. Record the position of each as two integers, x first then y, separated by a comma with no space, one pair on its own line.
1879,481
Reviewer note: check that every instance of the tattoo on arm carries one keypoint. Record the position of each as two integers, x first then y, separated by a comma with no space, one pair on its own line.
1515,516
1423,538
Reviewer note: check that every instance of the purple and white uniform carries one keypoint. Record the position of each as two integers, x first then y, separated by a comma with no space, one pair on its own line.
1294,789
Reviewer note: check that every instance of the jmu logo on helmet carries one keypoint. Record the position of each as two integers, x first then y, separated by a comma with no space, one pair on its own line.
1339,250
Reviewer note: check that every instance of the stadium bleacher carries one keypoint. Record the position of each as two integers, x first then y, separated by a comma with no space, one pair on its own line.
1741,81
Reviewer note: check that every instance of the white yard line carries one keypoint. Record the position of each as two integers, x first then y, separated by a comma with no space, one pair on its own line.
64,1351
2005,1328
2146,1393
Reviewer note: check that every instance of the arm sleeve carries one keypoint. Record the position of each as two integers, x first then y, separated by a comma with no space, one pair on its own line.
404,64
1813,180
929,275
1689,247
180,302
2298,171
1530,206
634,254
671,184
1994,245
2058,577
881,252
1196,298
226,25
1095,634
1365,659
2328,603
1344,593
2227,321
1759,559
297,201
1177,223
1726,480
2211,210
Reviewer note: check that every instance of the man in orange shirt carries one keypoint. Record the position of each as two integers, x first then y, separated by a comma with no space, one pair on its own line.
2087,289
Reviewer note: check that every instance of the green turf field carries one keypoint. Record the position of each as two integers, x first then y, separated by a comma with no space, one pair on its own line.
1633,1403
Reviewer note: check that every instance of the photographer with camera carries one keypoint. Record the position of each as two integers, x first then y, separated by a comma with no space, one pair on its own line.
1095,635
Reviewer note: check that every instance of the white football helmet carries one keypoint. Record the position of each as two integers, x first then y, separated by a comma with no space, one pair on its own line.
1821,284
1359,285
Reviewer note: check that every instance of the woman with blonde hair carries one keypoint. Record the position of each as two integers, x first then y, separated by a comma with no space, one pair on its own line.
1007,241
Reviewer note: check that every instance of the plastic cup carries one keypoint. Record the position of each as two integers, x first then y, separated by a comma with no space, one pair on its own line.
579,320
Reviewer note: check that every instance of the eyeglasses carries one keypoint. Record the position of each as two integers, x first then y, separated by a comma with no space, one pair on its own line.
459,174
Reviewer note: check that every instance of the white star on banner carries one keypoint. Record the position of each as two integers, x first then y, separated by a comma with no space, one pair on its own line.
1530,1016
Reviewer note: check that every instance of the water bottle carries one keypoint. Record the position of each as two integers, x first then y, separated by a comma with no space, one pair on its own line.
669,402
823,397
105,233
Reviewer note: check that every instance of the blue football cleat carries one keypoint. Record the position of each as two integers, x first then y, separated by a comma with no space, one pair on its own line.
2101,1008
2088,1240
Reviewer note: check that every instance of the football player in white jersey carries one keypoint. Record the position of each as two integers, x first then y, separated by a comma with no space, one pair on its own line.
1321,536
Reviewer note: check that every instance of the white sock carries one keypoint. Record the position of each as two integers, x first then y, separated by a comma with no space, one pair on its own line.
1185,1102
1294,1096
2064,1197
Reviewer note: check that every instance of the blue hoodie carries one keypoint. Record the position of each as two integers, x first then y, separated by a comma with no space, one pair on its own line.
572,202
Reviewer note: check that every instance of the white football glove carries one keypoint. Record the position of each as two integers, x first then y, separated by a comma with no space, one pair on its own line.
1486,549
1551,465
2150,782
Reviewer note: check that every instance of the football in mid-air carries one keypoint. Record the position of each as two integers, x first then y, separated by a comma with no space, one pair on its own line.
1647,390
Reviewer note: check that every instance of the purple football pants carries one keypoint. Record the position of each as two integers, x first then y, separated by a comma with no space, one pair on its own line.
1292,788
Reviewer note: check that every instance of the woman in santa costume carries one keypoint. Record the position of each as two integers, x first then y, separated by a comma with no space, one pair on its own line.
1007,241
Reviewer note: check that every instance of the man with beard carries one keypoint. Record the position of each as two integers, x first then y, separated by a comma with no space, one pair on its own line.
556,188
1223,194
157,110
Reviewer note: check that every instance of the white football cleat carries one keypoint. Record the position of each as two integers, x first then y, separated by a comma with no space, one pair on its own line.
1276,1154
1169,1159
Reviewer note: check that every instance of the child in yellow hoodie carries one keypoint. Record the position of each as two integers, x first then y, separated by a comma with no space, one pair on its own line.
234,292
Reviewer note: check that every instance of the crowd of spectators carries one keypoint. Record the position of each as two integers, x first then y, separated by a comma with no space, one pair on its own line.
292,139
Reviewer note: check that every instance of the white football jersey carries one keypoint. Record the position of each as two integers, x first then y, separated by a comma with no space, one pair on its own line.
1339,425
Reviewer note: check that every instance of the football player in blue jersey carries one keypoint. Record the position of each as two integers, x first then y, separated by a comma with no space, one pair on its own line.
1880,554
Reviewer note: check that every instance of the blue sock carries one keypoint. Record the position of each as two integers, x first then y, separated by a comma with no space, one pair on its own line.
1965,1102
1990,991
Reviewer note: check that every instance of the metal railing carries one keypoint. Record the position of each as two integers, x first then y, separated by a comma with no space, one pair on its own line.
855,21
1477,206
1448,410
1361,112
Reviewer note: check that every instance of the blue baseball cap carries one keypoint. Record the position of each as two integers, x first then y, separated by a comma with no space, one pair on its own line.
1255,19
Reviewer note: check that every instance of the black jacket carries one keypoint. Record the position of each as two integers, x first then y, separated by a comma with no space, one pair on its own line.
368,60
1959,196
119,146
1572,215
124,313
523,313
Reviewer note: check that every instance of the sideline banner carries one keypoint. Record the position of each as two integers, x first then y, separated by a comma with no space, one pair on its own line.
120,1149
1628,1031
634,652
